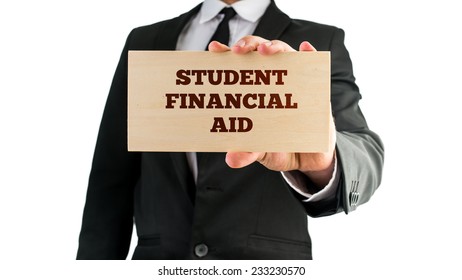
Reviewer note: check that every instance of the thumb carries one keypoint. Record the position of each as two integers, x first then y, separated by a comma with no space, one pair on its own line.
216,46
306,47
242,159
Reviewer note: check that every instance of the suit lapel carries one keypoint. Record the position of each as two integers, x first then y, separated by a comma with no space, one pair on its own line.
184,174
273,23
171,29
166,39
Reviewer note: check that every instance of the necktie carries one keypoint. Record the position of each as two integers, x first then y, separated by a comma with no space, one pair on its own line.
222,33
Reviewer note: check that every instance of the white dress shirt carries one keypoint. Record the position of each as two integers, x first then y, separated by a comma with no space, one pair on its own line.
195,37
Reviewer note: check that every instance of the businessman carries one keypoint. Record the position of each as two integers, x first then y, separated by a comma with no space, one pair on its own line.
234,205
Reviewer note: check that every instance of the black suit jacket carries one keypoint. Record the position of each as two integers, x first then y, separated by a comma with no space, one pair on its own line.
248,213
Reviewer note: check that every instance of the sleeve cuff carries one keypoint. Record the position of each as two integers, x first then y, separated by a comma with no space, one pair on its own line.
298,182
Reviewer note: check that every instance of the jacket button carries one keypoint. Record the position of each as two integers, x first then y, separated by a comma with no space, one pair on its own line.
201,250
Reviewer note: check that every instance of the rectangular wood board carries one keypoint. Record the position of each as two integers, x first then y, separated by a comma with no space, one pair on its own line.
185,101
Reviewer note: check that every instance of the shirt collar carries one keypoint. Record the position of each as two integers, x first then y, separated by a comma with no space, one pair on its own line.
250,10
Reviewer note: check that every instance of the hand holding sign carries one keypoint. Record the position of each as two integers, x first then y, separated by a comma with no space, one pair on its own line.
317,166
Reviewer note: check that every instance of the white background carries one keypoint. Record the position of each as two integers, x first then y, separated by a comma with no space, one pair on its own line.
57,59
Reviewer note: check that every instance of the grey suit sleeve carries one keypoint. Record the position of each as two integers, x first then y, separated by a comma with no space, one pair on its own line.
360,151
361,155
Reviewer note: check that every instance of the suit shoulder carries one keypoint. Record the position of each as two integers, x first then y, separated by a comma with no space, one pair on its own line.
143,37
320,35
146,37
314,26
150,29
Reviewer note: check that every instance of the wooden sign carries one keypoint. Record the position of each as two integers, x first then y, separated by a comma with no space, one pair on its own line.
218,102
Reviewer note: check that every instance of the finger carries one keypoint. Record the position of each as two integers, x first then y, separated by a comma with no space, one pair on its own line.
274,46
247,44
216,46
241,159
306,47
